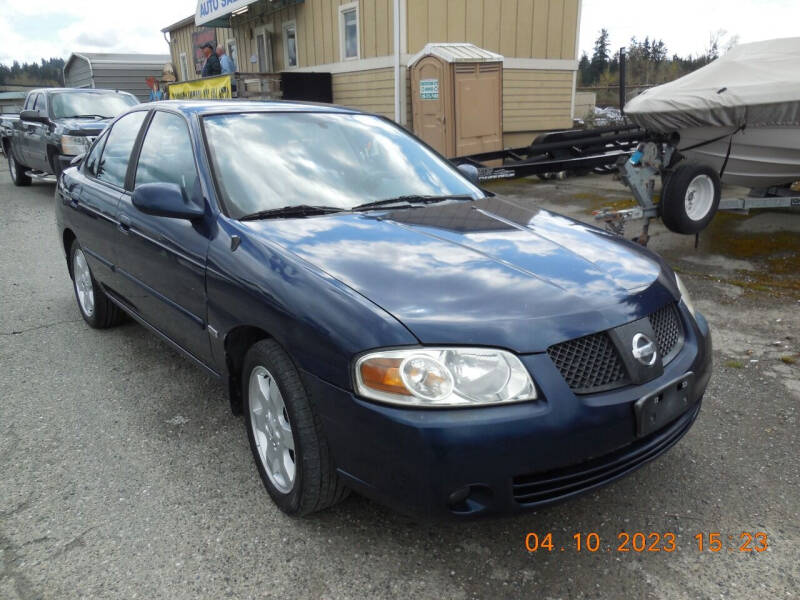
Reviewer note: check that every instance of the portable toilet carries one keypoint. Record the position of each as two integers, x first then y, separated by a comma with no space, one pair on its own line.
457,98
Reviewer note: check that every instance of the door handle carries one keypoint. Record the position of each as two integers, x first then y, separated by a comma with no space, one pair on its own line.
124,224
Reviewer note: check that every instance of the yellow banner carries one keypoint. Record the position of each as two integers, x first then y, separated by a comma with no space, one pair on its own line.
210,88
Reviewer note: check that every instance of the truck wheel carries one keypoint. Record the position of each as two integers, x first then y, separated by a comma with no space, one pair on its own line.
690,198
17,171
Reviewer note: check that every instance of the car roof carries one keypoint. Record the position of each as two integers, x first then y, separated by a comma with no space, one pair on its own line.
77,90
210,107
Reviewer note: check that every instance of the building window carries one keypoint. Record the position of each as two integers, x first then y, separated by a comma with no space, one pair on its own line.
184,67
290,44
348,31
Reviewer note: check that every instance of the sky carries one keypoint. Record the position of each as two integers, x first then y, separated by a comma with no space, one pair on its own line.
32,29
685,25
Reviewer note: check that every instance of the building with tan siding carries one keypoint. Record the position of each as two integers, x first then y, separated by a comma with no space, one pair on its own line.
355,41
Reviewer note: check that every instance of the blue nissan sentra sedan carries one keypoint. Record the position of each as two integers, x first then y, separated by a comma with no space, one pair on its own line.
383,324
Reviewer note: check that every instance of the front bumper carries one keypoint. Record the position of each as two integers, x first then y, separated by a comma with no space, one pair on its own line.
504,459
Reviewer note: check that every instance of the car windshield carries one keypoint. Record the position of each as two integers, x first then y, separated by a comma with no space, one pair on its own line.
265,161
77,104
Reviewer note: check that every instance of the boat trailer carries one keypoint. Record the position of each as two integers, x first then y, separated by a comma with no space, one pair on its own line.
639,160
558,153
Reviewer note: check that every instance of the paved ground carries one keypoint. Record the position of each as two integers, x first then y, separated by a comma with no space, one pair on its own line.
124,475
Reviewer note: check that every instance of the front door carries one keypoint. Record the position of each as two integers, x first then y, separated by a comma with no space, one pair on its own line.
27,130
161,260
37,146
264,48
430,114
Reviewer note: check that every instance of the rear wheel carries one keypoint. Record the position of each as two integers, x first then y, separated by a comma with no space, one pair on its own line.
286,437
690,198
17,171
96,309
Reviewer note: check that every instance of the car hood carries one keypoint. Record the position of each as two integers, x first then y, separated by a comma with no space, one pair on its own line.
490,272
83,126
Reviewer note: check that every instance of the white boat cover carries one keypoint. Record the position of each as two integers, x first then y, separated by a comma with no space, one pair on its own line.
755,84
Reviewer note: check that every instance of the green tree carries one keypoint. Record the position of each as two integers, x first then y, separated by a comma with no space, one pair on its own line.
584,68
599,61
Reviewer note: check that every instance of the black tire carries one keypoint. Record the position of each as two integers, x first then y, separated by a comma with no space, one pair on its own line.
676,198
17,171
316,485
104,313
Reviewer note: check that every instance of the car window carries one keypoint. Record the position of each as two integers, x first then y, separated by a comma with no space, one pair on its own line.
91,104
117,152
38,103
167,155
93,160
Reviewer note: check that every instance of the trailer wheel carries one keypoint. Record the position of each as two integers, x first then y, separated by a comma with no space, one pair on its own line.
689,198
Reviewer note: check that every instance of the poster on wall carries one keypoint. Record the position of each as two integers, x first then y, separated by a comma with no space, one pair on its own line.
200,37
429,89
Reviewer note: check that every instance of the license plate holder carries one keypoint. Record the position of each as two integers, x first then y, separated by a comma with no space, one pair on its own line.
663,406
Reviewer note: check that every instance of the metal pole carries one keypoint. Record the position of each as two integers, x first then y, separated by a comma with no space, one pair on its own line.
397,90
622,68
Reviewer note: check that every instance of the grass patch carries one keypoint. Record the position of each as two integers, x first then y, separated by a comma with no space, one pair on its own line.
789,360
734,364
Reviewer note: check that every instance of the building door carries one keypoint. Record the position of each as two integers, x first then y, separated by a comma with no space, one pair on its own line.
430,106
264,49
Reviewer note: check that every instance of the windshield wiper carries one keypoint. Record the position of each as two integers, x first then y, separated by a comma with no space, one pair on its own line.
86,117
296,210
410,200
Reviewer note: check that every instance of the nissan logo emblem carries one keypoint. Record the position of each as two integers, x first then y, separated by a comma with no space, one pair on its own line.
644,350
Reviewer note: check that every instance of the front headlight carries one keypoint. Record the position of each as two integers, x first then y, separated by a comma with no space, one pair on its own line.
687,299
435,377
72,145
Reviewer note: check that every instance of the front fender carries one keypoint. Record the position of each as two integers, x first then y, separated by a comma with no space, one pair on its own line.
318,320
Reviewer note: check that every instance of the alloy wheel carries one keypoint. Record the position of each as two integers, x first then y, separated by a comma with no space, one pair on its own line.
272,431
82,278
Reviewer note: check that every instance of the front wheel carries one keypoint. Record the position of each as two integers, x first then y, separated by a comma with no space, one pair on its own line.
286,438
17,171
690,198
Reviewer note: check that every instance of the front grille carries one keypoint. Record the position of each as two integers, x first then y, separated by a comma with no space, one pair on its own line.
669,334
589,364
549,486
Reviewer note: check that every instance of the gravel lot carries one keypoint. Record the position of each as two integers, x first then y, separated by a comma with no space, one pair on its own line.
124,474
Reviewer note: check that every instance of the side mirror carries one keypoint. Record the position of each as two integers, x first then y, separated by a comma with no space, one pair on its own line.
33,116
165,200
470,172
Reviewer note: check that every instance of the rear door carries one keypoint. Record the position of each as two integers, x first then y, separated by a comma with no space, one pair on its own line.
95,203
161,260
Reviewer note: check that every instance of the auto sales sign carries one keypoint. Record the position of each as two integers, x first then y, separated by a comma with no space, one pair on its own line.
208,10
